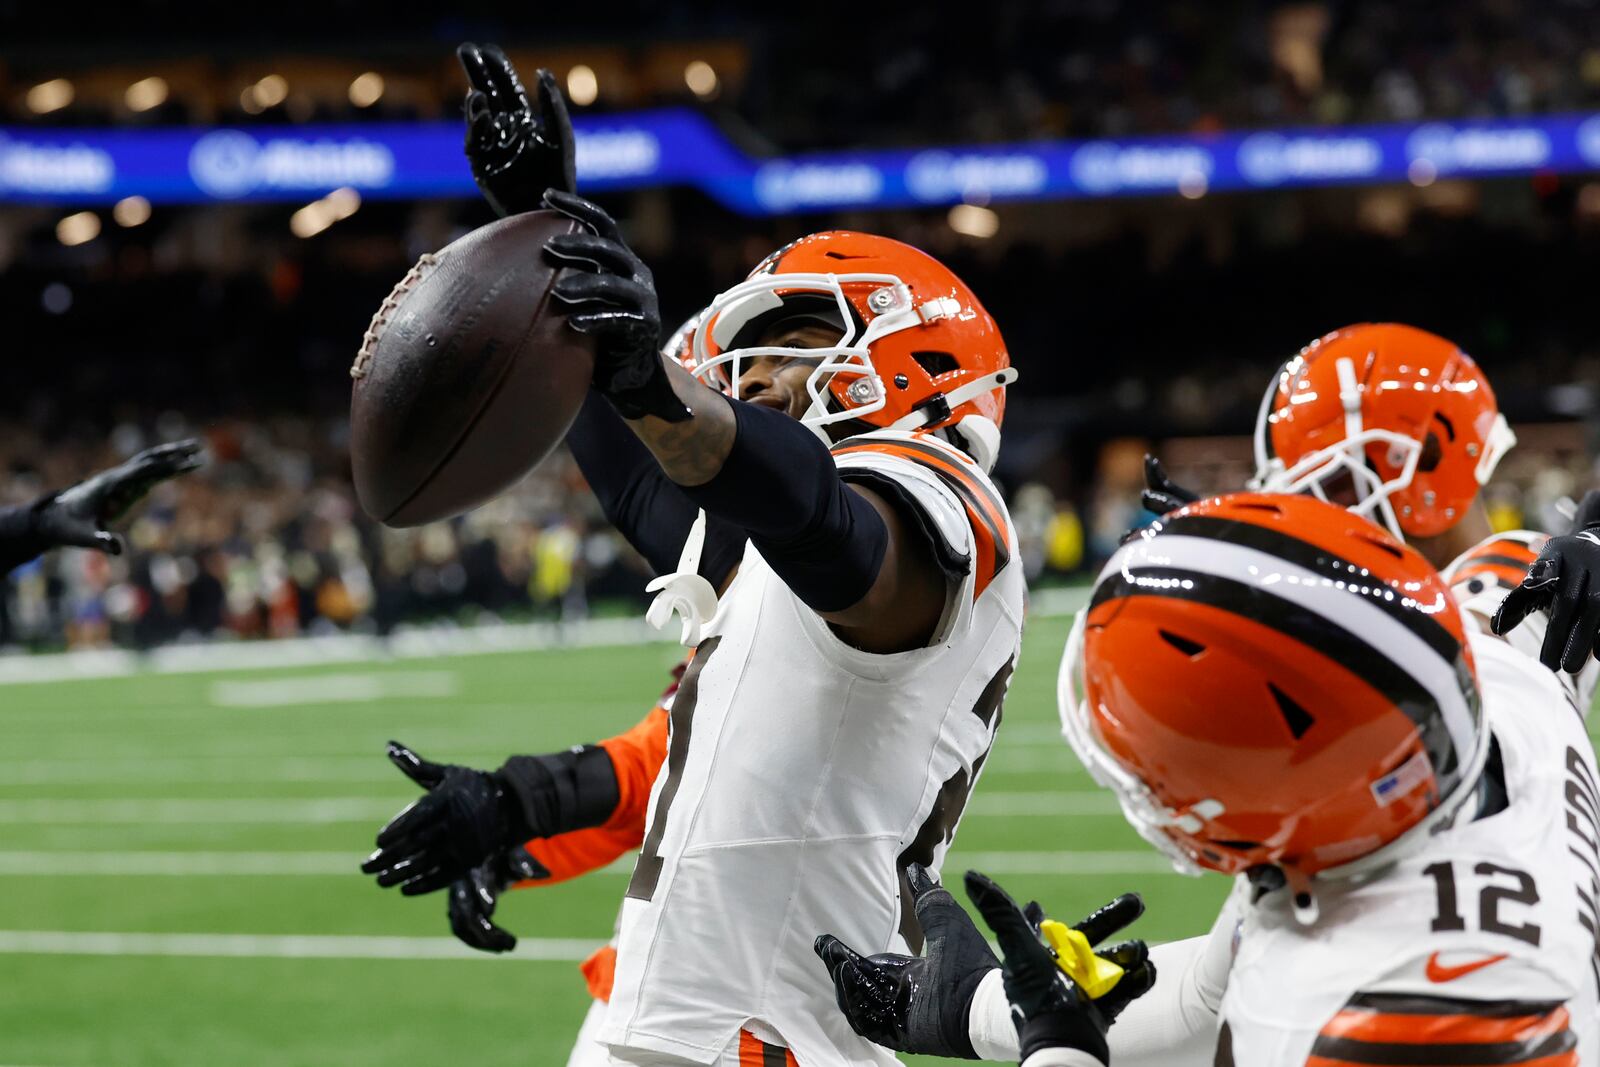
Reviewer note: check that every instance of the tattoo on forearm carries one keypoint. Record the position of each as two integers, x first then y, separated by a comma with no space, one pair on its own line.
691,452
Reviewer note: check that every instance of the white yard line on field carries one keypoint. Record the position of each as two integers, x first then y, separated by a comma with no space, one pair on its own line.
1118,863
346,687
254,810
283,946
346,864
1001,804
300,811
104,770
187,864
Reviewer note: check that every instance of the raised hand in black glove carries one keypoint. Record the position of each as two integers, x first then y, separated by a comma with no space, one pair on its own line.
1050,1010
79,515
473,898
517,151
611,296
468,816
917,1004
1161,494
1565,581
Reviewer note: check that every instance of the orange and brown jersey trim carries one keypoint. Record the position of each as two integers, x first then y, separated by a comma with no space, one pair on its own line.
1499,563
1399,1030
754,1052
986,512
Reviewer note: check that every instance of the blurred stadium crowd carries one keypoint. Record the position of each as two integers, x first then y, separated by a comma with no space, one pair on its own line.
1136,323
1067,67
268,541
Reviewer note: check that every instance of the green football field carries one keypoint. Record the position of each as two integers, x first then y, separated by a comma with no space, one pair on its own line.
178,878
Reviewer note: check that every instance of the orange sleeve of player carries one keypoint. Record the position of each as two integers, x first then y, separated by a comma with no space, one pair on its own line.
1403,1029
637,756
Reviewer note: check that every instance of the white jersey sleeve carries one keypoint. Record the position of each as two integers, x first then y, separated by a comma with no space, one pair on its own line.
951,498
1484,936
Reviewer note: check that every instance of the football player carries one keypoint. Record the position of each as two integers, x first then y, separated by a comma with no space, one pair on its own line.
1278,691
1565,582
1402,427
78,515
844,405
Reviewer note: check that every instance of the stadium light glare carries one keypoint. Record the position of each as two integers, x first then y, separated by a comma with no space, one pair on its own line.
366,89
131,211
583,85
343,202
701,78
272,90
145,94
324,212
971,220
311,219
49,96
78,228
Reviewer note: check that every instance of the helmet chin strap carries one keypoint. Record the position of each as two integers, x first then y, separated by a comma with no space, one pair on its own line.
979,436
920,417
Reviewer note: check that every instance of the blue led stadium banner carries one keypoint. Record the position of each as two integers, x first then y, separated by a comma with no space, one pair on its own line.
681,147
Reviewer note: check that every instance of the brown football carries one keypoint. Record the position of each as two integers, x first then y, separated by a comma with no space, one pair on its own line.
467,376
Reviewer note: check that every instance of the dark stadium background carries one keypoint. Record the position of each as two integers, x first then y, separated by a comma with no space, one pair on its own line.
1134,321
1138,322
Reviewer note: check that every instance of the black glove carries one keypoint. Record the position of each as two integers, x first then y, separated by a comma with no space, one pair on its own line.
468,816
472,899
1161,494
917,1004
516,153
79,515
611,296
1564,580
1050,1010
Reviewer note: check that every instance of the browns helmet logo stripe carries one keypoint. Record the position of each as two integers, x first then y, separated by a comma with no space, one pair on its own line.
1316,632
1404,1029
985,512
1326,564
1350,620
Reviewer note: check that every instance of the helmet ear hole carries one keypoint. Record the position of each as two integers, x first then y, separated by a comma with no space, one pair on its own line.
1432,452
1295,717
936,363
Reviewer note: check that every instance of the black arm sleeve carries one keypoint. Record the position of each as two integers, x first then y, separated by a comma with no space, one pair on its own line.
780,485
559,792
651,512
19,541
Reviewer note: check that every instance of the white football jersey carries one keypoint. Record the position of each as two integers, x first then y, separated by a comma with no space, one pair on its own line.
1481,577
1485,936
802,776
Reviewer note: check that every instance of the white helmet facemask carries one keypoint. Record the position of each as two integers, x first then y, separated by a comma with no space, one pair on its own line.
1316,472
851,356
1140,806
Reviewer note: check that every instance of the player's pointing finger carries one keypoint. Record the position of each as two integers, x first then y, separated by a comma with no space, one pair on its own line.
1111,918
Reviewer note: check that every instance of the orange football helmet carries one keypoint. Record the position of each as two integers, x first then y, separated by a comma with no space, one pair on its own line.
917,350
1273,680
1404,414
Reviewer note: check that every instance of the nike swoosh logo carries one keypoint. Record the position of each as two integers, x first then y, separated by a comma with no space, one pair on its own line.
1438,972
